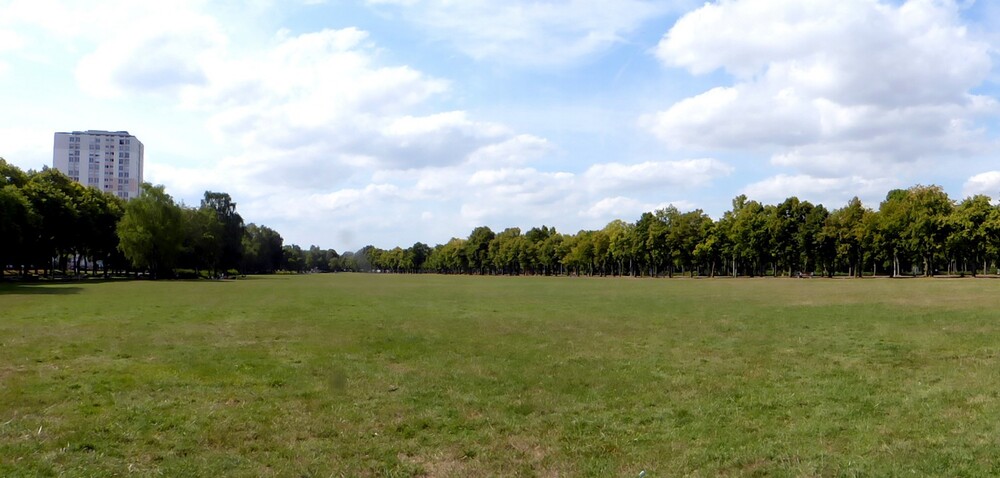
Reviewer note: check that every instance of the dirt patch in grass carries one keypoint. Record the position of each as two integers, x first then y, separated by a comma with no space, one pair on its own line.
437,465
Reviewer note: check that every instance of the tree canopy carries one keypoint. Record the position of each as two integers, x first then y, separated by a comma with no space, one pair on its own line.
49,222
915,231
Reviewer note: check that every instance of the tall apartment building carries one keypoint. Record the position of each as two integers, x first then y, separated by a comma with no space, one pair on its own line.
107,160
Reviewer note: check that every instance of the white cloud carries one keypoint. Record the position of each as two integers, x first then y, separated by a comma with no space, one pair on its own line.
318,136
655,174
553,32
831,192
518,150
28,148
620,207
987,183
10,41
152,58
829,87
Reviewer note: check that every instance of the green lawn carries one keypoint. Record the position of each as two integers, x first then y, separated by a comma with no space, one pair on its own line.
377,375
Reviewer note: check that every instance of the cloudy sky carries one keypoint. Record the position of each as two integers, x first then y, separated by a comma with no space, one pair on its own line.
342,123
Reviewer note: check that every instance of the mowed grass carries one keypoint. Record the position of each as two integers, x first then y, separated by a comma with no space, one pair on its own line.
379,375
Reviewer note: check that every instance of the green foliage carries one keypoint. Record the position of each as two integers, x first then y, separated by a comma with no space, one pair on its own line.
11,175
50,222
915,230
151,231
231,235
294,260
262,250
17,225
477,248
203,243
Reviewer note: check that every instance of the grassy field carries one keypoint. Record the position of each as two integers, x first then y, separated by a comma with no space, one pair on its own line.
374,375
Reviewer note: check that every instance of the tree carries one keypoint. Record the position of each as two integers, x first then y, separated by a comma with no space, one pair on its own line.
54,198
203,244
232,227
419,253
11,175
294,260
687,231
320,259
504,251
661,238
969,232
602,251
477,248
150,232
649,240
842,237
749,236
892,220
449,258
262,249
17,219
16,226
708,252
810,237
927,226
619,244
531,254
99,213
578,253
549,255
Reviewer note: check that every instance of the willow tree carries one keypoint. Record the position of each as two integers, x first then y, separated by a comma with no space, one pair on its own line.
151,232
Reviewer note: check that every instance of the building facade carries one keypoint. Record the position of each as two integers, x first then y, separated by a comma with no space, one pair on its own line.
110,161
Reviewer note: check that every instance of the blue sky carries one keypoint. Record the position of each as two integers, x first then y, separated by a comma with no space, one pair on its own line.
345,123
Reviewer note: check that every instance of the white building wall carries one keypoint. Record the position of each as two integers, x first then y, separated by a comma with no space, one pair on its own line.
111,161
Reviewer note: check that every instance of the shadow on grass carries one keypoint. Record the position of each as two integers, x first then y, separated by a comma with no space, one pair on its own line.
37,289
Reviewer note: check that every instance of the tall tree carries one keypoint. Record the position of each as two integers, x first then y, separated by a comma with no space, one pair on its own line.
232,227
99,213
150,233
893,216
202,244
843,235
687,231
810,237
54,198
750,240
263,249
294,259
477,248
969,232
620,247
16,227
927,228
419,252
505,251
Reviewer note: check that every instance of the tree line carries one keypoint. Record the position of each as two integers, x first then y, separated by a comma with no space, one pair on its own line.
50,223
915,231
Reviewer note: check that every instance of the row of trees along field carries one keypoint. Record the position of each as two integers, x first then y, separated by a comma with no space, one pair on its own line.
913,231
49,222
